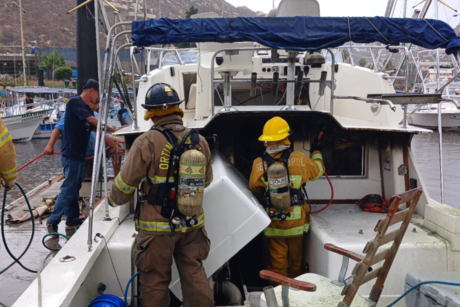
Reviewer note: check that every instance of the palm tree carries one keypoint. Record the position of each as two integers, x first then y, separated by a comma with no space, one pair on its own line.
51,61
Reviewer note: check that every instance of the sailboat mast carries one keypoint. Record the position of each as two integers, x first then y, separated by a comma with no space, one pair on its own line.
24,67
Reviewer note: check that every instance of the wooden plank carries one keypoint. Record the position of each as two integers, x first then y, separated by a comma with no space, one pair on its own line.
398,217
283,280
380,256
409,195
370,276
344,252
389,237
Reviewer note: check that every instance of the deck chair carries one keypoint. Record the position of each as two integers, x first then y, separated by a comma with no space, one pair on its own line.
342,293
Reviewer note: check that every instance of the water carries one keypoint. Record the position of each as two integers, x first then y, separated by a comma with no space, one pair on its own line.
38,172
426,151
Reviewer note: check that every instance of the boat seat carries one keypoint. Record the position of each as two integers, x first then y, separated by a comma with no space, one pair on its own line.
343,292
292,8
326,294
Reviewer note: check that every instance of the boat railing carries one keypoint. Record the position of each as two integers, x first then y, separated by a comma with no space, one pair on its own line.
11,108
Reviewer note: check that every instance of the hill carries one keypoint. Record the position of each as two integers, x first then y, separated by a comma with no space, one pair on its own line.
46,21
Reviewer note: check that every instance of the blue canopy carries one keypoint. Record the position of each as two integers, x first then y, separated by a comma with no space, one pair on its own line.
297,33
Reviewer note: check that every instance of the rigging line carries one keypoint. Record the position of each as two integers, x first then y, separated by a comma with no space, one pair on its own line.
377,30
349,29
435,30
113,266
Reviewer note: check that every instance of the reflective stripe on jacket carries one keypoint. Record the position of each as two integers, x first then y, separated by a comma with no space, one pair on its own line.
163,226
151,152
8,170
301,170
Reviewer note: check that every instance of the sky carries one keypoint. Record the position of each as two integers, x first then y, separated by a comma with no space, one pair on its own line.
362,8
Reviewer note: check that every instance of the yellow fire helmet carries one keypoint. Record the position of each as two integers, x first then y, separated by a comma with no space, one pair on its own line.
276,129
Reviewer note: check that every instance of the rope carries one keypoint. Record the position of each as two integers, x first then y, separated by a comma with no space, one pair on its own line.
349,29
377,30
434,29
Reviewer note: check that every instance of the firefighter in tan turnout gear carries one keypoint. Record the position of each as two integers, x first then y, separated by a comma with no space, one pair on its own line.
8,171
175,164
281,173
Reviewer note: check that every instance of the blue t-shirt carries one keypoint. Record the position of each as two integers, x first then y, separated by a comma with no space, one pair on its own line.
92,138
77,129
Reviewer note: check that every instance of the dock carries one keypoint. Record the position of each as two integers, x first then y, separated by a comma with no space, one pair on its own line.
16,280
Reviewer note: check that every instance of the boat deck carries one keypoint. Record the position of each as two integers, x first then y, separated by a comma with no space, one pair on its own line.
348,227
16,280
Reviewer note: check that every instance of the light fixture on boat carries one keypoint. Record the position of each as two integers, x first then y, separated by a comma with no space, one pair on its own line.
315,59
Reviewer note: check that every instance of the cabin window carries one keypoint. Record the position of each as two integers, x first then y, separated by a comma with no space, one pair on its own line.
345,156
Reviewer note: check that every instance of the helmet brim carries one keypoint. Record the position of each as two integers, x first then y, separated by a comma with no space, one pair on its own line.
269,138
148,107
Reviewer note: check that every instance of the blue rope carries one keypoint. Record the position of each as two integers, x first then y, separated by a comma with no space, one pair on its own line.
421,284
127,288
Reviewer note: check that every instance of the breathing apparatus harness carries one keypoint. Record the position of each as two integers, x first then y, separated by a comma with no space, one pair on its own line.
296,195
165,194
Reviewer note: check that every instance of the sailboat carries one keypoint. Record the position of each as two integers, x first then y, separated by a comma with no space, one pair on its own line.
260,68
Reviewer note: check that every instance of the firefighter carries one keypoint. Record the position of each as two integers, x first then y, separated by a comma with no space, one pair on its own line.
280,175
163,231
8,172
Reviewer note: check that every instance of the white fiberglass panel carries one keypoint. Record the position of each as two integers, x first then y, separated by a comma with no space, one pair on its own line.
233,217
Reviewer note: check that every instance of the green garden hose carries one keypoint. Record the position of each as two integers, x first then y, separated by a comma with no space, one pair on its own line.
2,222
54,234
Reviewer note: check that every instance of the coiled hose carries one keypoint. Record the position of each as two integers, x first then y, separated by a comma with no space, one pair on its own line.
421,284
2,222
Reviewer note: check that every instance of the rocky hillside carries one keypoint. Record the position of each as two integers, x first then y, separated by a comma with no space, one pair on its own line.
46,21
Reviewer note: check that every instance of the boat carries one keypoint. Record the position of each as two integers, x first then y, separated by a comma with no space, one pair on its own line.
427,115
242,79
24,122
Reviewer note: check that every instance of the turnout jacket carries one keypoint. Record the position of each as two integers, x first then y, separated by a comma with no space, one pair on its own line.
8,171
301,170
149,156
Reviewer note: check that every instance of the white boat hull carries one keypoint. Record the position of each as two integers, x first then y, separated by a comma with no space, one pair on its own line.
22,127
430,120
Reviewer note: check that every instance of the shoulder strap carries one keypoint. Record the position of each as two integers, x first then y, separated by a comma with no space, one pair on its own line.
171,139
269,160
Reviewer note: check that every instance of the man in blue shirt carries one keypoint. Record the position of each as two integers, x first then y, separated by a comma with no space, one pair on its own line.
78,124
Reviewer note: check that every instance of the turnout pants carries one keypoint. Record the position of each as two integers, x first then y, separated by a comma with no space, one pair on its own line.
153,256
285,255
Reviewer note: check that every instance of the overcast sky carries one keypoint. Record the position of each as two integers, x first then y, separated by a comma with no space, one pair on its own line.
361,8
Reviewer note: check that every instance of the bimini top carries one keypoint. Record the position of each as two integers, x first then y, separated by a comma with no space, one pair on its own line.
297,33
